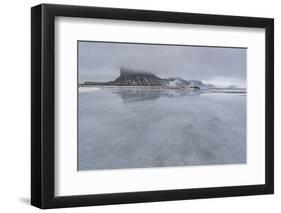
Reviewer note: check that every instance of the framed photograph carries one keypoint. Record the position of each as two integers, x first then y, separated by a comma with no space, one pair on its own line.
136,106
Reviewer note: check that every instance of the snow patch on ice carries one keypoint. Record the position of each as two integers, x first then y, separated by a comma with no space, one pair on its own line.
88,89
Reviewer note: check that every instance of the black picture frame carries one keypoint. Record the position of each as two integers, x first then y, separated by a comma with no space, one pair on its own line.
43,105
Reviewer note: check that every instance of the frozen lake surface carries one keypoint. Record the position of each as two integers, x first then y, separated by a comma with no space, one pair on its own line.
121,128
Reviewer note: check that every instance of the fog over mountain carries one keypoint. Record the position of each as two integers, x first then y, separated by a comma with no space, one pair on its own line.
101,61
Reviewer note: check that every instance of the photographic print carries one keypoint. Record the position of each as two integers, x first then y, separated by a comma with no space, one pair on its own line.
178,96
160,105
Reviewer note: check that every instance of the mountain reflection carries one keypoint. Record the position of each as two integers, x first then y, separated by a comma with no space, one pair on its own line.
133,95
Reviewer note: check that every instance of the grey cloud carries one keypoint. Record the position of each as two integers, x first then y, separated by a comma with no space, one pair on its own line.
101,61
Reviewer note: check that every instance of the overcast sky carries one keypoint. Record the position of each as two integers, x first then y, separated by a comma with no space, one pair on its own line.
99,61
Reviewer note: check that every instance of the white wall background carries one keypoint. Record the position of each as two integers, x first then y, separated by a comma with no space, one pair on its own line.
15,105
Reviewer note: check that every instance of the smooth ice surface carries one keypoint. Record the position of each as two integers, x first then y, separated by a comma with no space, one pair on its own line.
159,128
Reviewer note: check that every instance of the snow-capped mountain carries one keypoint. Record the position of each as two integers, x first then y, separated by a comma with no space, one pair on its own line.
130,77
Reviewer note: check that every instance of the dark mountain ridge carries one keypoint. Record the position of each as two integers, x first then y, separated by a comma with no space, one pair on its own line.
131,77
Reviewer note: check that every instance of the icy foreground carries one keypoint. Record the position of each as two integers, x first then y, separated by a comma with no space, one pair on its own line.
140,129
